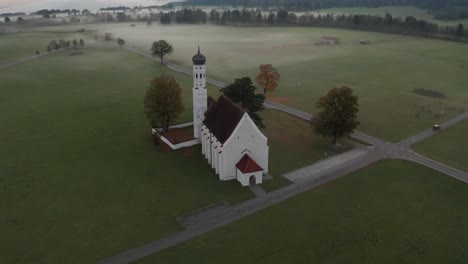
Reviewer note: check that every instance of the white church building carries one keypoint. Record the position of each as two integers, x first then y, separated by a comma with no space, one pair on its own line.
231,142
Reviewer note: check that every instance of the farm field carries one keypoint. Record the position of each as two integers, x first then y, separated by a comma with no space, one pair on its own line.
389,212
77,159
383,74
447,147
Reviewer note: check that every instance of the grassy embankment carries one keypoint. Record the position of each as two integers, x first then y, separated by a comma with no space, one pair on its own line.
389,212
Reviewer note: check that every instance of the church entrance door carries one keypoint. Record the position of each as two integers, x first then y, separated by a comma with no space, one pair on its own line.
252,180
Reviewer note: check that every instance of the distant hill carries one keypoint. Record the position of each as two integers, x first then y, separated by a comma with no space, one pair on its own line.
319,4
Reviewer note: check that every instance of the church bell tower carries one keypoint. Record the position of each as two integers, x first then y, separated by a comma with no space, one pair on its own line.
199,93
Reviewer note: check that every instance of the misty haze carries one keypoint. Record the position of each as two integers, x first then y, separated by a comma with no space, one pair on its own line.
233,131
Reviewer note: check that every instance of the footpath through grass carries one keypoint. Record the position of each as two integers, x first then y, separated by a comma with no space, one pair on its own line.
448,146
293,144
80,179
390,212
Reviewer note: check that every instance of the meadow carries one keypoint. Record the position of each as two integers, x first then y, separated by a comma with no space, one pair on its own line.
389,212
447,147
383,74
15,46
81,179
293,144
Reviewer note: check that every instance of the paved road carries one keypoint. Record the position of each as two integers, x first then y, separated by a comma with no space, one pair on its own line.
438,166
429,132
242,210
381,150
314,170
25,59
257,190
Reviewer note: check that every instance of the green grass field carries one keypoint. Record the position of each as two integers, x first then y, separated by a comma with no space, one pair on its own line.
80,179
15,46
390,212
448,146
293,144
383,74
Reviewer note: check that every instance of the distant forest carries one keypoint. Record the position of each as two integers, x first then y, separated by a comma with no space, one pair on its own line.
319,4
387,24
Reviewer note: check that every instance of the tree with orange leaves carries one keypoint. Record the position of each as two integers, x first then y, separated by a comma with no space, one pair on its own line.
163,101
268,78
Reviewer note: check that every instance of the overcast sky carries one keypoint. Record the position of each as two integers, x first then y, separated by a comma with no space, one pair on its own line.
7,6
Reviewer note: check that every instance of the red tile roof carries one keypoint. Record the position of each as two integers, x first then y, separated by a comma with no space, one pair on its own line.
248,165
222,117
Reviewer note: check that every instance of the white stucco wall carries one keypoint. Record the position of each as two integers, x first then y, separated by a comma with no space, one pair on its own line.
199,99
246,138
244,179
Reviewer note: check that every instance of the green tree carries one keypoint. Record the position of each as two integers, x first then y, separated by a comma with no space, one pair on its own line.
108,36
243,93
121,42
163,101
75,44
338,115
160,49
460,31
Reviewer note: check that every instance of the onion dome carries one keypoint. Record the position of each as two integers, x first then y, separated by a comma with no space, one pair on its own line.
199,59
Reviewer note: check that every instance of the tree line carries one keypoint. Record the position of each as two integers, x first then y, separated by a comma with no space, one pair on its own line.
302,5
386,24
62,44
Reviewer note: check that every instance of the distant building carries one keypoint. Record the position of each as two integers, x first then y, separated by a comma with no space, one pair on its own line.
231,142
329,41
